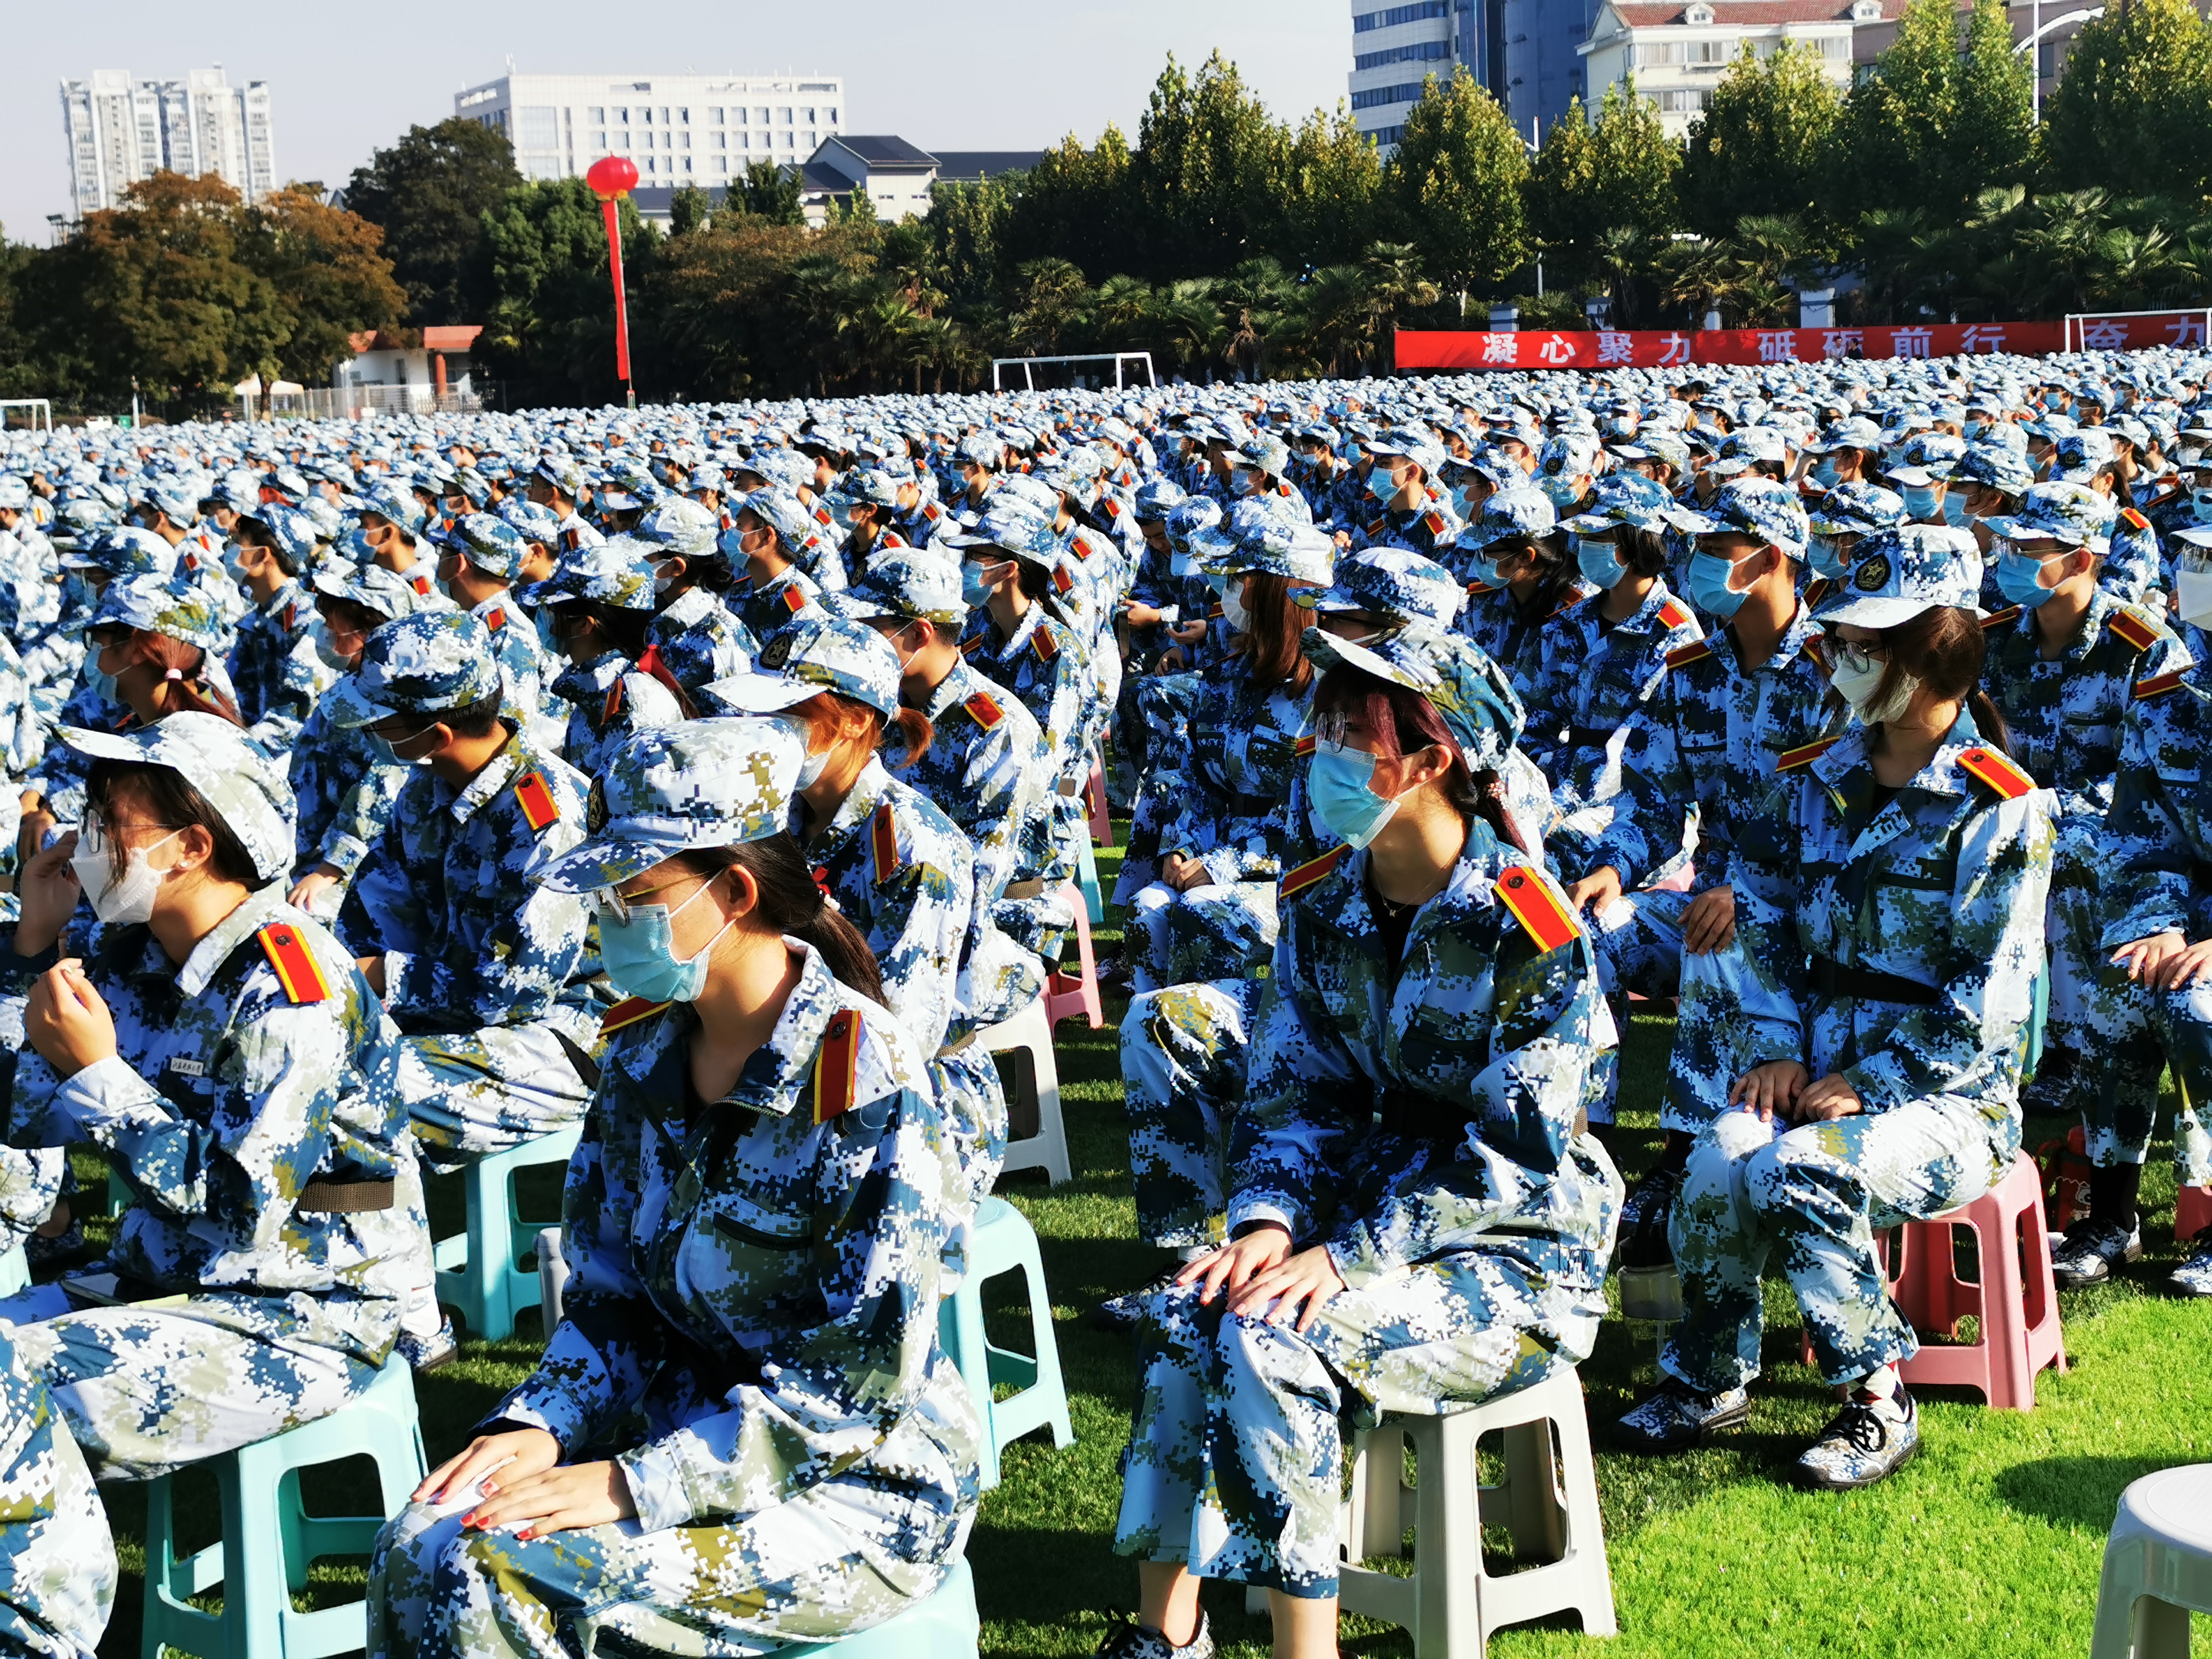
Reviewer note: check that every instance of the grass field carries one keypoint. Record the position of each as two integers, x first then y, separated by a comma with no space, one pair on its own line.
1988,1544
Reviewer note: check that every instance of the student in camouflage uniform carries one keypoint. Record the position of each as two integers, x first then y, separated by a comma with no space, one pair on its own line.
56,1556
273,666
479,560
224,1053
1878,996
1452,1255
772,535
1518,577
694,631
754,1224
601,601
1408,509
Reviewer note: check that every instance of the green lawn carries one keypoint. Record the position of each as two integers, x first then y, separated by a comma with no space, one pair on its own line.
1989,1542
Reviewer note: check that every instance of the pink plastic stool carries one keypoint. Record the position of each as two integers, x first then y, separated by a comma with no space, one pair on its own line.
1094,796
1069,995
2192,1212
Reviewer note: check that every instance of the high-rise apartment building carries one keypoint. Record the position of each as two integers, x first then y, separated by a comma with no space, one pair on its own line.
120,131
679,128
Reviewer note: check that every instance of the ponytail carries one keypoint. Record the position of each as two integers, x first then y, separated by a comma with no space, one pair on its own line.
902,738
791,903
184,689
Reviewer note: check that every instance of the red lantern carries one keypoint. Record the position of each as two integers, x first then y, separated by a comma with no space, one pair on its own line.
611,178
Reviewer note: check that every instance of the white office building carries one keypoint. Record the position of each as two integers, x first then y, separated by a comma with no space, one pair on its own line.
1394,48
702,130
120,131
1678,52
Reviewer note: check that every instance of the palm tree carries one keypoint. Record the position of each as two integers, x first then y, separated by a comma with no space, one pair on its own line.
1190,320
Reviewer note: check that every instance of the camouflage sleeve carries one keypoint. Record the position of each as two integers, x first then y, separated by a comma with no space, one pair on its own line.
382,912
1307,1101
300,680
1064,715
2157,839
920,916
30,1182
995,794
830,1392
1984,951
363,810
1651,810
58,1567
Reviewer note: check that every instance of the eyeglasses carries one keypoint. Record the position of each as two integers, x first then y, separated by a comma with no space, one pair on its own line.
615,906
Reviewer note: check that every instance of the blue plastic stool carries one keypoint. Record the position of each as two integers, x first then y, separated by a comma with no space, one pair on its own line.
945,1627
274,1540
1086,879
1003,1241
477,1272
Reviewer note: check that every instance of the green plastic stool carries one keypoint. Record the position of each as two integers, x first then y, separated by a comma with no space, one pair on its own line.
945,1627
14,1271
275,1539
1003,1242
1086,879
477,1274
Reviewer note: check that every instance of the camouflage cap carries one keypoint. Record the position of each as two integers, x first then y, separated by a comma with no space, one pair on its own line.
1188,518
1854,432
1995,466
1156,498
297,531
1469,689
1928,459
672,789
796,529
1520,511
1765,508
232,772
1745,448
533,521
122,550
432,662
907,582
1390,581
1015,529
176,499
682,527
812,655
2081,456
375,588
617,572
1569,454
1264,453
1904,571
1625,500
1268,539
870,486
982,449
563,474
493,545
1853,508
79,521
1415,444
389,500
2071,515
173,605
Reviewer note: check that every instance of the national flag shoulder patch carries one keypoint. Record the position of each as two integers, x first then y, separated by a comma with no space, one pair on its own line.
1044,645
2003,618
882,843
624,1015
1674,614
933,512
1434,521
2134,518
1790,760
1312,871
571,539
1683,655
837,1066
613,705
539,810
1061,581
1542,915
2136,630
421,584
2158,685
1304,746
1998,772
793,600
987,712
495,618
294,963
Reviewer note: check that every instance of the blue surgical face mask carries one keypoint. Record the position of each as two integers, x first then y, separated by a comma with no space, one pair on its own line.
974,586
1824,473
1919,502
1601,565
1340,782
1464,504
1709,585
1826,558
640,956
1955,509
1483,567
101,681
2019,579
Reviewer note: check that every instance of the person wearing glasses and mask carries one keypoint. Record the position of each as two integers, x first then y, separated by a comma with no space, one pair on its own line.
480,557
773,533
222,1051
1856,1051
743,1432
1513,559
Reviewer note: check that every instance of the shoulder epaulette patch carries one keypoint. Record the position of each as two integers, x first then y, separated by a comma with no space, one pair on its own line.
1804,755
2158,685
1567,604
1480,590
1994,771
1311,870
1044,645
1109,507
1061,581
291,616
294,964
571,539
1304,747
495,618
1817,591
969,647
2001,618
1541,915
2133,629
613,705
1377,526
793,600
2133,518
1284,490
1683,655
892,540
883,842
933,512
624,1014
421,584
837,1066
1214,610
539,810
1674,615
987,713
1435,522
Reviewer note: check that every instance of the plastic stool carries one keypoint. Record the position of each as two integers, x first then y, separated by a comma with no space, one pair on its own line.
1094,797
1029,1033
1002,1242
1452,1605
552,1278
2158,1567
275,1539
1086,883
477,1277
1067,995
2192,1212
14,1271
945,1627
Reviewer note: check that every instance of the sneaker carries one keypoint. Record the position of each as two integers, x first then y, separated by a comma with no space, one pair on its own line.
1135,1641
1122,1313
428,1353
2194,1276
2051,1090
2090,1251
1113,972
1677,1417
1643,1215
1866,1442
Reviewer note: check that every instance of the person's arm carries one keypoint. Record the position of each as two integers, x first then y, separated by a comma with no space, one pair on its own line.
919,913
30,1185
364,809
996,791
2157,837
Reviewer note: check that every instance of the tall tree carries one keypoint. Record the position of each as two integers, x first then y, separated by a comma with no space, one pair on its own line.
1455,184
2133,110
967,226
1895,135
329,276
1995,133
1074,205
1588,180
428,193
768,192
1206,174
1762,146
1331,191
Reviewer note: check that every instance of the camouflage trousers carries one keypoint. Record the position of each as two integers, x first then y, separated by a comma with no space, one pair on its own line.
1222,930
1817,1194
146,1389
1235,1461
56,1556
974,1106
1639,949
840,1557
1183,1078
2135,1034
1153,724
469,1094
2073,927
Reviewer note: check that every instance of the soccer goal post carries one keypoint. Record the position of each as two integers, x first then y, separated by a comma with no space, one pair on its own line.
2133,331
1029,366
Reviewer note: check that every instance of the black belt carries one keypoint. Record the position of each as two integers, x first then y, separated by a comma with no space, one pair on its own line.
345,1197
1589,737
1838,979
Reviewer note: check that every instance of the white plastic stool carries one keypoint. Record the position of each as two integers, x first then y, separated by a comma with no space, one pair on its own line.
1029,1033
1451,1605
552,1278
2158,1567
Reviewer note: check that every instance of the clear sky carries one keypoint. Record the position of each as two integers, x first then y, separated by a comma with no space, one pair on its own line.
956,74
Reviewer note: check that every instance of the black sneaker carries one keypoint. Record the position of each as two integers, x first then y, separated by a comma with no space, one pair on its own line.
1679,1416
2090,1250
1869,1440
1135,1641
1122,1313
1644,1216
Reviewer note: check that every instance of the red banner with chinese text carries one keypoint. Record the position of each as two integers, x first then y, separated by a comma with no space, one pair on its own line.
1665,348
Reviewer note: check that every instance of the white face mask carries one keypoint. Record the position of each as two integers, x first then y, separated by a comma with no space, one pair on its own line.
1232,607
1856,676
118,900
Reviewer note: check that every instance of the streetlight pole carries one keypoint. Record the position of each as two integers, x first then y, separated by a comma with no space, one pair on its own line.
611,178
